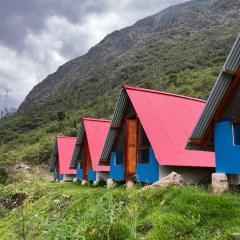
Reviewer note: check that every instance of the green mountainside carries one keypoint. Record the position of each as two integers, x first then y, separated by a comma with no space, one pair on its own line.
180,50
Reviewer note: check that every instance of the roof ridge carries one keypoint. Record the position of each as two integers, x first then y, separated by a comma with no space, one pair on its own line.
163,93
96,119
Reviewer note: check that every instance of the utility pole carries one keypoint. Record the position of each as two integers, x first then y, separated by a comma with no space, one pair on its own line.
5,106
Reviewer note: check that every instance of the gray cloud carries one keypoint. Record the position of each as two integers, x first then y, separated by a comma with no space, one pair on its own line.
36,36
19,17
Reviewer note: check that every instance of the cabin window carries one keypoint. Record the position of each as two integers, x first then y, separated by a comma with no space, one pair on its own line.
119,158
236,134
81,164
143,146
119,147
81,156
90,164
143,156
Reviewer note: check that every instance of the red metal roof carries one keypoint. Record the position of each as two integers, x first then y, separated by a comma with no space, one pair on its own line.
168,120
65,150
96,133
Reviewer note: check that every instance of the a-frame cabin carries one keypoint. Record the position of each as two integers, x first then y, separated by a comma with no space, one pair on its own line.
90,140
62,155
147,138
218,127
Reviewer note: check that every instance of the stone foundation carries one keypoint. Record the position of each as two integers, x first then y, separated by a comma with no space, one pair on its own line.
219,182
110,183
84,182
129,184
75,180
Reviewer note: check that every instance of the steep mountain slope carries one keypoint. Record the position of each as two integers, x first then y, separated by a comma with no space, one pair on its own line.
186,36
180,49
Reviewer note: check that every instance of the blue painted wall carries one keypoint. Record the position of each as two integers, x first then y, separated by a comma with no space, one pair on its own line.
55,176
227,154
148,173
116,170
61,176
79,171
91,175
145,173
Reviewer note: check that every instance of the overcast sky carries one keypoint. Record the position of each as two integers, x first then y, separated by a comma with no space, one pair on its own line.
37,36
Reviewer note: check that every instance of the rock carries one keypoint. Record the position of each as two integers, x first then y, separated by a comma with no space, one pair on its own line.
27,181
110,183
219,182
236,236
22,166
129,184
172,179
65,196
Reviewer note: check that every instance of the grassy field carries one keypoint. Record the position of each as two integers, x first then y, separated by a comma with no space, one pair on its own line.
69,211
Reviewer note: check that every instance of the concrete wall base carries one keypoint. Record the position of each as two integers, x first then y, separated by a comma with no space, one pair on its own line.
102,176
219,182
191,175
129,184
68,178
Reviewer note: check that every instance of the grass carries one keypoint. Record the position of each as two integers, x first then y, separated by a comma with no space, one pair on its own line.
70,211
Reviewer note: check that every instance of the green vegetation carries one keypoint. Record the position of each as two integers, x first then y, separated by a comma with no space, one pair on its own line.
34,146
69,211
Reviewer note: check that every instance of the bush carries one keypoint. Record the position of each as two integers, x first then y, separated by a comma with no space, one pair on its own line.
3,176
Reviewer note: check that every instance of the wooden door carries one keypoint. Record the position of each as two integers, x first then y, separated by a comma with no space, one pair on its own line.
131,148
86,161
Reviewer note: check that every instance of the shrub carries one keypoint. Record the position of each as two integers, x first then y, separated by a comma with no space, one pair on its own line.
3,176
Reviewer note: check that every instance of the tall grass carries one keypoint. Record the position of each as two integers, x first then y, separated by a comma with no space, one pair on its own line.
69,211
